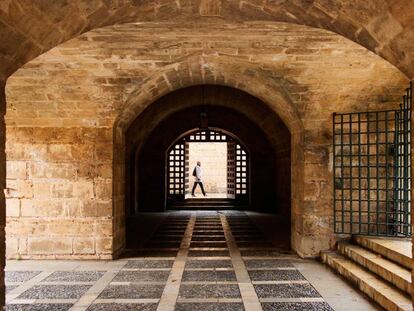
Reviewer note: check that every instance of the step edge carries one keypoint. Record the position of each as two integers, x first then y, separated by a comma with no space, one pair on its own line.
376,258
403,282
386,252
405,301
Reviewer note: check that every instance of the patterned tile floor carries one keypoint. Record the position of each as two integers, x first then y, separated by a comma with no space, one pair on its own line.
194,261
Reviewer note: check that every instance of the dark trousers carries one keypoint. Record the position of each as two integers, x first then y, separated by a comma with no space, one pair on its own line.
201,186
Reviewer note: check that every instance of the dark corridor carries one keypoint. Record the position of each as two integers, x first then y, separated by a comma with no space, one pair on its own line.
257,127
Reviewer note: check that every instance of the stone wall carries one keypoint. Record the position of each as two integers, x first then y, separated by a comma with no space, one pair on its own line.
31,28
59,192
213,158
105,79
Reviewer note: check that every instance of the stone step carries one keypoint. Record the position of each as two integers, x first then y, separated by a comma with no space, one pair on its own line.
389,271
202,199
387,296
206,207
396,250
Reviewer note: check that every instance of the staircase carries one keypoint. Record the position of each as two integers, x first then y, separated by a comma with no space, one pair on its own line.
379,267
206,204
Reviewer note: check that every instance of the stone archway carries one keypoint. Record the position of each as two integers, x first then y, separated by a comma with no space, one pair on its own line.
249,105
380,27
197,70
156,129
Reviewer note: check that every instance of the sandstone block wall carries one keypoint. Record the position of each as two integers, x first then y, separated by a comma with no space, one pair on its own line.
59,192
213,158
105,78
381,26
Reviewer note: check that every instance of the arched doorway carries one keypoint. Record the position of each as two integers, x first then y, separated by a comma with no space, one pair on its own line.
244,123
237,170
268,170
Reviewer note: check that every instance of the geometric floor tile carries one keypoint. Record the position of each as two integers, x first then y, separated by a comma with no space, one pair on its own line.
267,263
74,276
208,264
209,276
275,275
55,292
20,276
39,307
285,291
123,307
142,276
208,253
203,277
209,291
296,306
148,264
132,291
209,307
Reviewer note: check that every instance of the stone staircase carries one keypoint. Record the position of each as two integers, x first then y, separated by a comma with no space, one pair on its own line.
379,267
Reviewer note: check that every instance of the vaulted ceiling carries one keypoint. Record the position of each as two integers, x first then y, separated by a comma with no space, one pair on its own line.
114,72
31,27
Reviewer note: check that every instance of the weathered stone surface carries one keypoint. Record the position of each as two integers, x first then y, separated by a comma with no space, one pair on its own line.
47,246
60,124
62,107
35,30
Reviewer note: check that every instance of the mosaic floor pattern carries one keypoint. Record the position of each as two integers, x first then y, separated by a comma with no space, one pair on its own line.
195,261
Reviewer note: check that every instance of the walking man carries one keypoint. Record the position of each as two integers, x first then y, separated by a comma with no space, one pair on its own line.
197,179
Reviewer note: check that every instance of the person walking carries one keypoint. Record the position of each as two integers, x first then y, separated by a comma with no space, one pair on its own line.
197,179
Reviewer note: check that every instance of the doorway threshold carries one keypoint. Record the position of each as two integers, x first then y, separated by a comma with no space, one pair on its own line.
207,204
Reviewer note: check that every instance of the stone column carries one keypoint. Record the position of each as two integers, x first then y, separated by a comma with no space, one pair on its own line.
312,228
2,201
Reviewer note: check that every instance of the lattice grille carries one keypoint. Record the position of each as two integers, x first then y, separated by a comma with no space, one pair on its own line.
176,161
178,174
231,170
372,172
208,136
241,170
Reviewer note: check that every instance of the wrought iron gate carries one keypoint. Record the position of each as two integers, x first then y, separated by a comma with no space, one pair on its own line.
372,171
